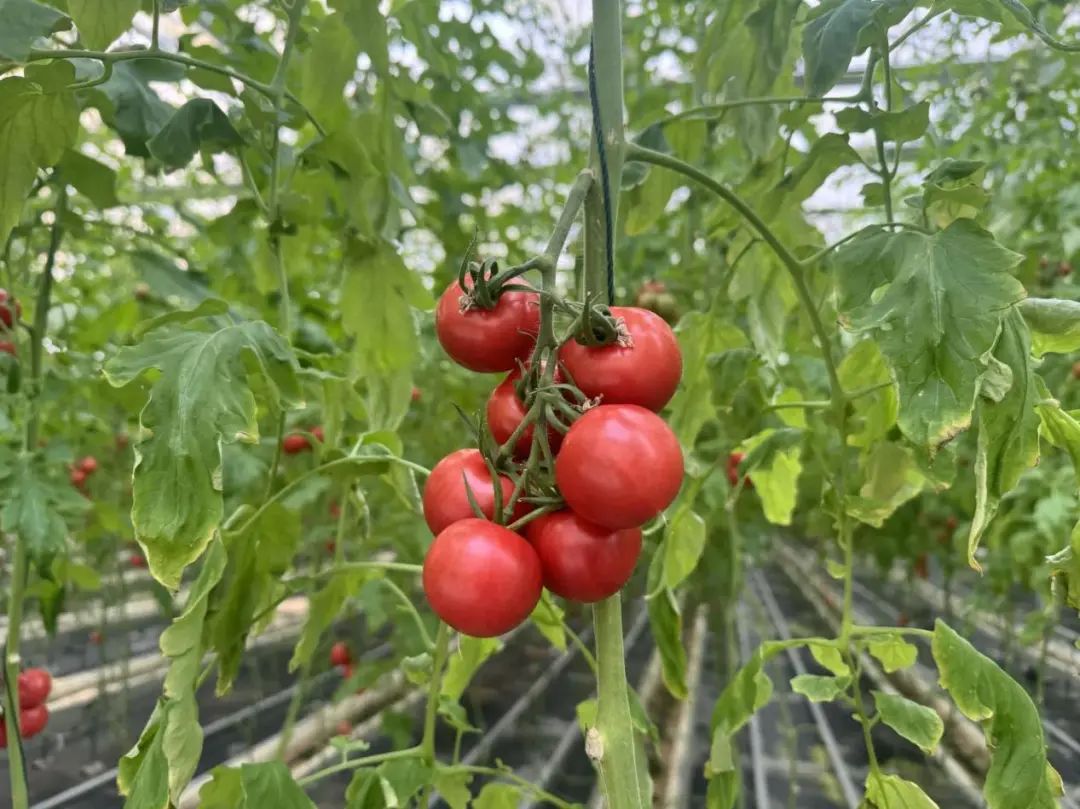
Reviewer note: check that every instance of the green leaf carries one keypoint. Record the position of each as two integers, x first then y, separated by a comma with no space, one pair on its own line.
1019,776
648,200
39,119
830,41
1054,324
893,792
954,190
548,618
131,106
864,367
498,796
829,657
893,652
891,478
683,545
25,21
454,788
100,22
323,609
818,688
470,655
31,509
903,125
665,621
918,724
364,790
201,400
328,64
1008,442
402,779
94,180
369,27
773,460
253,786
934,304
198,126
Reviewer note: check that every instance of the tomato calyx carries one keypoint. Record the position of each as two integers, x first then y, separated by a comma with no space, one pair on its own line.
599,327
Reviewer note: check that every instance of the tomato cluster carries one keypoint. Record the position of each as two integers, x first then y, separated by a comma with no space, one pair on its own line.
34,686
81,471
295,443
581,506
10,312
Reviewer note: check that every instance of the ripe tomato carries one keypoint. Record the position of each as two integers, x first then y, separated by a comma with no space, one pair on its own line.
8,347
78,477
445,497
33,720
294,443
733,461
505,410
137,560
1064,268
88,464
416,394
654,296
951,523
317,431
481,578
34,687
921,566
645,371
10,310
344,727
902,619
340,654
619,466
582,561
488,340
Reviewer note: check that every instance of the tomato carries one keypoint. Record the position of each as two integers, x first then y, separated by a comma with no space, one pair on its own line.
78,477
619,466
34,687
921,567
733,461
1064,268
582,561
10,310
416,394
445,497
142,291
295,443
481,578
505,410
331,547
344,728
340,654
488,340
645,371
654,296
137,560
1075,368
8,348
88,464
320,436
33,720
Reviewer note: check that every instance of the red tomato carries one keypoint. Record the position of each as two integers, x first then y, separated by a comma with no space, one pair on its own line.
921,566
335,509
950,523
481,578
445,497
317,431
582,561
294,443
1064,268
88,464
137,560
331,547
10,310
505,410
644,371
416,394
619,466
8,348
33,720
34,687
340,654
488,340
344,728
78,477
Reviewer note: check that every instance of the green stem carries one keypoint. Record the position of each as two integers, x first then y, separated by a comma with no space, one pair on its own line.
427,742
709,112
294,710
363,761
509,775
574,200
411,609
893,630
276,462
884,172
156,26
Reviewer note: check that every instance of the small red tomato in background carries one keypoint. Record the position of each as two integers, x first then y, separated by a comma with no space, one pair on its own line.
317,431
733,461
921,567
33,720
294,443
488,340
94,637
1076,370
654,296
416,394
950,523
340,654
77,477
335,509
8,347
481,578
331,547
1064,268
34,687
10,310
344,727
619,466
505,411
445,498
137,560
582,561
643,368
88,464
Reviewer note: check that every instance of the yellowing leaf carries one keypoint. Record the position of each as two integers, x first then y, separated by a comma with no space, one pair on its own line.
918,724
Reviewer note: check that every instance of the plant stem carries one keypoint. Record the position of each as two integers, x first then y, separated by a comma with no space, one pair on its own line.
884,172
574,200
156,26
411,609
427,742
708,112
509,775
363,761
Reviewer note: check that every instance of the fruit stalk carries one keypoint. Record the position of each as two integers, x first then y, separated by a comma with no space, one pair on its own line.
612,743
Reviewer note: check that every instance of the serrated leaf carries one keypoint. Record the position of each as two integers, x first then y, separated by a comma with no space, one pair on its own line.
830,41
498,796
31,509
893,652
954,190
323,608
198,126
893,792
1054,324
829,657
818,688
131,106
470,656
252,786
454,788
201,400
1019,775
402,779
918,724
891,477
934,304
330,62
1008,442
39,119
902,125
862,368
774,463
24,22
683,546
100,22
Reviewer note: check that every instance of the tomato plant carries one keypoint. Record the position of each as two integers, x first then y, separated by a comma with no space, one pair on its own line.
771,300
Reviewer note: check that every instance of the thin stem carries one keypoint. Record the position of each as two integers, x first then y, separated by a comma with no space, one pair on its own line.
864,720
575,638
363,761
156,26
574,200
710,112
536,513
411,609
930,14
894,630
509,775
276,461
884,171
427,742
